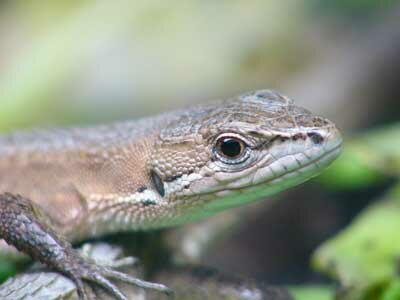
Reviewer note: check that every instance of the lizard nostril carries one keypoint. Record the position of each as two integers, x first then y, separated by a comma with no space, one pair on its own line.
315,137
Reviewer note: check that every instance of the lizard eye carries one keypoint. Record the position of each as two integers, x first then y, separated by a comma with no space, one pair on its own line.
231,150
230,147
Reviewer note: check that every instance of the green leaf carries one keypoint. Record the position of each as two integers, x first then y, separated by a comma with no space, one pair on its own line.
366,160
364,256
312,292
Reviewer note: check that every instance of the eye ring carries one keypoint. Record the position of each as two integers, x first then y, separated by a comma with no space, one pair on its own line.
231,149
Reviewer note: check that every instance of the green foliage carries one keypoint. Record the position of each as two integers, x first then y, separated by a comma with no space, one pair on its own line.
365,256
393,290
366,160
312,292
352,8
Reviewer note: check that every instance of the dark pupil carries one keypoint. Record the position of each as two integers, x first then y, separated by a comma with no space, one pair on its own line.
231,147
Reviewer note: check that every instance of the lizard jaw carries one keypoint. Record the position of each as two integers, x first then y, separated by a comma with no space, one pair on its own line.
211,203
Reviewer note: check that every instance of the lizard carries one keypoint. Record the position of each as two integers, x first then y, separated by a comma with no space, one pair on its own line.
62,186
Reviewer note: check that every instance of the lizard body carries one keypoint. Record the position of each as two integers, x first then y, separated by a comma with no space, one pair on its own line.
163,171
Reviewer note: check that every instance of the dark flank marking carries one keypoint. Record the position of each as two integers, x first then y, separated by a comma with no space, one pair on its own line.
141,189
148,202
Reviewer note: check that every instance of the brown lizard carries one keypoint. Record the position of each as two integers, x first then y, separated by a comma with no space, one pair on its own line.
67,185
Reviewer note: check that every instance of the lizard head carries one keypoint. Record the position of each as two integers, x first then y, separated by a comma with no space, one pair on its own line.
226,154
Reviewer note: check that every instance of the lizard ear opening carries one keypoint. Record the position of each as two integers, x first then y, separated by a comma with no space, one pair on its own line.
157,183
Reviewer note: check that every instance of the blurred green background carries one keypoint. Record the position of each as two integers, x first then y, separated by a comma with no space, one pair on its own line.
86,62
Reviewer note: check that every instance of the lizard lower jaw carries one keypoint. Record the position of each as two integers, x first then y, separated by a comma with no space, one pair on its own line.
312,168
237,196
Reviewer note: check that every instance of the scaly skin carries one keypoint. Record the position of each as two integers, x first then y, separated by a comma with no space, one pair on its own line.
164,171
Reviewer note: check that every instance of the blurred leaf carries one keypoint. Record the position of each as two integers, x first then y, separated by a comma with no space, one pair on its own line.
352,169
393,291
364,256
366,160
312,292
36,77
353,8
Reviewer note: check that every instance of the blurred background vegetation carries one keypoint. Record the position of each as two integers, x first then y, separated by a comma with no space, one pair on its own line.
85,62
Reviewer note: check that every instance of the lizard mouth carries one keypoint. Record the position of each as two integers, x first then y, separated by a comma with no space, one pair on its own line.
320,163
237,196
210,203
